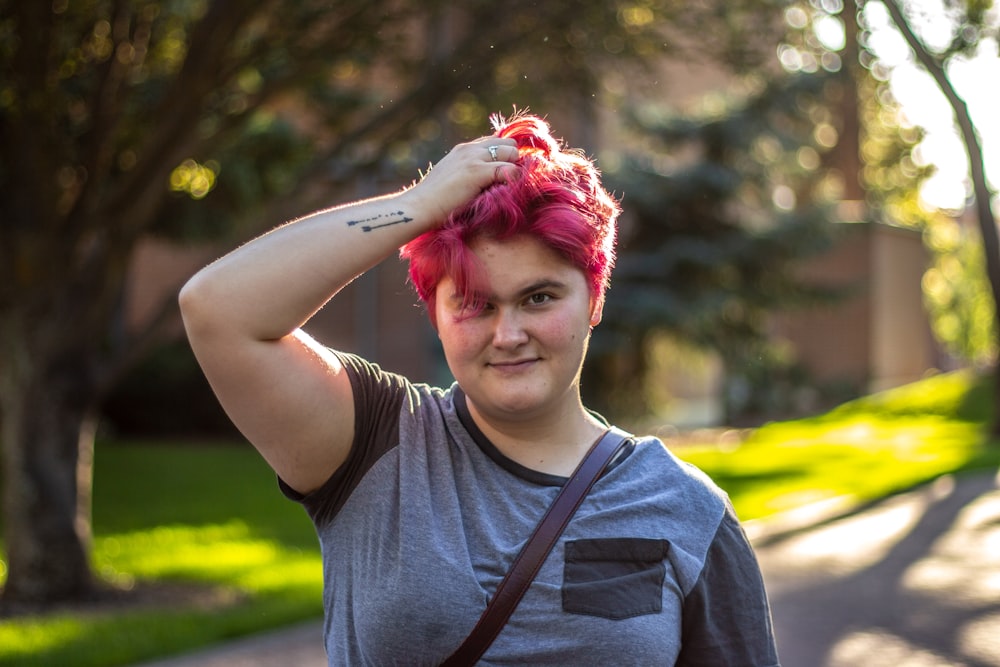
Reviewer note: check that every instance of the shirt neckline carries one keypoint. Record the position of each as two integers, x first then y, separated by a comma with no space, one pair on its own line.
509,464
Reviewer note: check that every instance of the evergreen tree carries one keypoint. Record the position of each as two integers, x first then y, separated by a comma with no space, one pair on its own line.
720,209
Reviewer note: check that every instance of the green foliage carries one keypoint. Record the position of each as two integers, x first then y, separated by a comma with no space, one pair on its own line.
193,119
890,174
957,294
261,165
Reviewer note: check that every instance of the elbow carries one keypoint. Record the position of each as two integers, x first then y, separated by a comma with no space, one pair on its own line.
195,303
212,310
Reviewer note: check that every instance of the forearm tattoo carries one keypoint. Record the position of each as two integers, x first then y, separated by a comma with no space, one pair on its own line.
381,220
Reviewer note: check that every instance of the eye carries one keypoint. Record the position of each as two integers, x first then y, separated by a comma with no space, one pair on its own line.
473,307
473,312
539,299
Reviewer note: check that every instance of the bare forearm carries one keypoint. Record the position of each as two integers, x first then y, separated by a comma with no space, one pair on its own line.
272,285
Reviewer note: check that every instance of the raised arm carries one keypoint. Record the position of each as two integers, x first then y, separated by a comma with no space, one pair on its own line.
243,314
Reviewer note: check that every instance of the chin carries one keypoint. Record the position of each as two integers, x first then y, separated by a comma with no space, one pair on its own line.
513,402
522,403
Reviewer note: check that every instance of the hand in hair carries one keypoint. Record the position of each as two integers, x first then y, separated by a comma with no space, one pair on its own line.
463,173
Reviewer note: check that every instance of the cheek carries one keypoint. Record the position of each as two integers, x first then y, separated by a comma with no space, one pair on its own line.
563,332
460,340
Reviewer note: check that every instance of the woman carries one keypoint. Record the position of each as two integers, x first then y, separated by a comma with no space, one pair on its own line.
422,496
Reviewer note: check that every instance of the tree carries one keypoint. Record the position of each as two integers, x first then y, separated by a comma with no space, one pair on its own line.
121,118
889,173
955,286
100,103
713,238
970,28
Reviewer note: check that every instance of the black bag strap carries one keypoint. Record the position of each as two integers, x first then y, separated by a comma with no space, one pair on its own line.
536,550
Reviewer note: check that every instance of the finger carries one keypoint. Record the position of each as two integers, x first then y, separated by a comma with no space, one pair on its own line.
500,174
501,153
498,149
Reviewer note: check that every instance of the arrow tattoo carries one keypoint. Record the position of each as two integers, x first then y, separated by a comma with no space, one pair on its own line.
370,227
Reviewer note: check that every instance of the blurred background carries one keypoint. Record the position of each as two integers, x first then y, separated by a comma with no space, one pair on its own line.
808,188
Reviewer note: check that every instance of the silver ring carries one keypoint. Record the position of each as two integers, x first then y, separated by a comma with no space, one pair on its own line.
493,152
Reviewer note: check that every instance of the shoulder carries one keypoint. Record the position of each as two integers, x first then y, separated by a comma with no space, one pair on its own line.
654,460
376,388
365,375
386,405
686,506
385,402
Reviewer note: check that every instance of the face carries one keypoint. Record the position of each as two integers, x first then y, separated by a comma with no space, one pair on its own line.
521,356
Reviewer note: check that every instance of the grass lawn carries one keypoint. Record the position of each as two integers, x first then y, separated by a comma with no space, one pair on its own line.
205,514
211,515
861,451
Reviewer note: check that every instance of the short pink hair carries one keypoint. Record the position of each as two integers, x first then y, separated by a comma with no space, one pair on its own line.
555,196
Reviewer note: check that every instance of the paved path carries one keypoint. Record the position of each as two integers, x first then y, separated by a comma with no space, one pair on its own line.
913,581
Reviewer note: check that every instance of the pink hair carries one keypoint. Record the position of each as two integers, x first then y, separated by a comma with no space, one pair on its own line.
555,196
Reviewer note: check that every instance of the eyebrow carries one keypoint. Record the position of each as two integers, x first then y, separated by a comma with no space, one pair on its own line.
537,286
540,285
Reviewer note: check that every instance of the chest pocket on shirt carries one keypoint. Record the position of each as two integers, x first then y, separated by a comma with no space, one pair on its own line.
614,578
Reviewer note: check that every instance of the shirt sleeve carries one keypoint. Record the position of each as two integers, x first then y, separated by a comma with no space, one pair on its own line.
378,396
726,616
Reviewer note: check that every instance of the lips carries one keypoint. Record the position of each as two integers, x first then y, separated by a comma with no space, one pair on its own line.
512,365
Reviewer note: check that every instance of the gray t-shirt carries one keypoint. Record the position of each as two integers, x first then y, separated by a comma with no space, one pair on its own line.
421,523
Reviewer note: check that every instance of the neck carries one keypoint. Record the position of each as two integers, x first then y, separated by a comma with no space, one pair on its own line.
554,444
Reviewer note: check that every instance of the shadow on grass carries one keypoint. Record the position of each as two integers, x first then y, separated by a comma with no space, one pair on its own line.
735,482
977,404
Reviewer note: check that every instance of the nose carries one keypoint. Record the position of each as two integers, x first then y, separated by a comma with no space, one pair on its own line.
508,330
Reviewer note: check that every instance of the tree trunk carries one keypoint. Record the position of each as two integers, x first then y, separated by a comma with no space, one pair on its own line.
47,443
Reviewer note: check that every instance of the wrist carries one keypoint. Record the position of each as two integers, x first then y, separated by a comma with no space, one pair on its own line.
423,207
